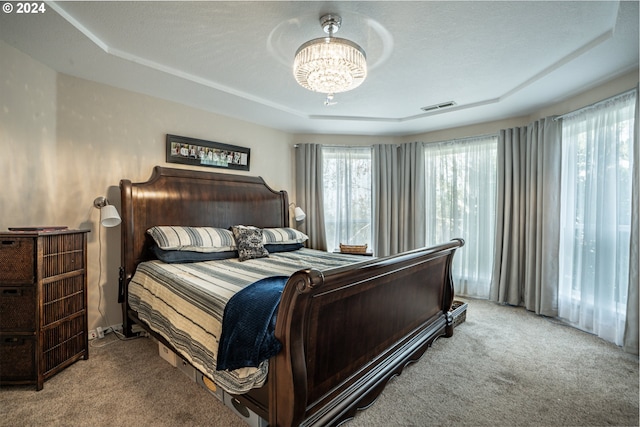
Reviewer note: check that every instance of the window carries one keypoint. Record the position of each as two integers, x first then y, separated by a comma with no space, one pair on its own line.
461,202
347,195
597,166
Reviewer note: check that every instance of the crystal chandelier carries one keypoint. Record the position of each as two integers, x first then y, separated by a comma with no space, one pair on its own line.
330,64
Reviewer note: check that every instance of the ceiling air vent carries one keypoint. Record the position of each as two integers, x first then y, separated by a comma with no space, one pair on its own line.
438,106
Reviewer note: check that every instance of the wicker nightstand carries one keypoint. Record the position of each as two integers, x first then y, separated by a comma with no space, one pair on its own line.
43,300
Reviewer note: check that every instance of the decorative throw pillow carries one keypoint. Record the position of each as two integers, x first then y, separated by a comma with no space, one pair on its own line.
249,242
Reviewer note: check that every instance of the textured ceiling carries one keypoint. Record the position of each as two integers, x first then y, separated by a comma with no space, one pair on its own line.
493,59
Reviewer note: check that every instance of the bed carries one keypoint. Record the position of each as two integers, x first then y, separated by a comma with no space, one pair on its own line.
344,331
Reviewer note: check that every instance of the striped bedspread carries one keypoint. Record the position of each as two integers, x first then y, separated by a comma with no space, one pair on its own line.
185,304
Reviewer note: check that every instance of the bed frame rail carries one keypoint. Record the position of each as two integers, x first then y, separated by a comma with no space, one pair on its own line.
346,332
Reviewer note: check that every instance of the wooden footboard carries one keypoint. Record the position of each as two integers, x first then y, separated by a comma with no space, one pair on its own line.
348,331
345,332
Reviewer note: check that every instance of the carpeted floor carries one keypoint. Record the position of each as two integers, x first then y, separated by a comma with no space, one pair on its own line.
503,367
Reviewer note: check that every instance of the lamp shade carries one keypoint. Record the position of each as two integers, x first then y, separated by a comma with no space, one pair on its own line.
299,214
109,216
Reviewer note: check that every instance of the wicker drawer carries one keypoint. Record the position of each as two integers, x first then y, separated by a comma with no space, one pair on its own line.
18,307
17,261
17,358
63,342
55,244
62,298
61,263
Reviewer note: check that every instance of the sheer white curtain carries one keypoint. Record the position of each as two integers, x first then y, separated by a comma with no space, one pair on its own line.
347,195
598,144
460,179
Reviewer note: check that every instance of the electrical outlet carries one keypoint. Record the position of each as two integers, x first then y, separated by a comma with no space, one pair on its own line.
93,334
100,332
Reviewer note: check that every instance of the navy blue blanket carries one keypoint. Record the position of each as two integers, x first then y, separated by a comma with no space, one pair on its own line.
248,325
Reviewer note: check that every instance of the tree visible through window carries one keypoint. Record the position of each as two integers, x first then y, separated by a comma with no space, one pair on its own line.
461,202
597,169
347,195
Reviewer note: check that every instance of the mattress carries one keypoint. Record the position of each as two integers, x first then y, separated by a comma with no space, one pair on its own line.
184,303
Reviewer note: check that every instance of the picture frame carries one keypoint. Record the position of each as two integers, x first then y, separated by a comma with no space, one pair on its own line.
198,152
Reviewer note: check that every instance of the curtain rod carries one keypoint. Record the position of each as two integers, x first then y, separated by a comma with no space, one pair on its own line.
626,92
465,138
349,146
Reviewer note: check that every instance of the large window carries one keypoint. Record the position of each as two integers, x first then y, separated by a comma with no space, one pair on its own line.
461,202
347,195
596,216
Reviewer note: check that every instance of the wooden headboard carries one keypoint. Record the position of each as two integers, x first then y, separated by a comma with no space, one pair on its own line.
192,198
395,306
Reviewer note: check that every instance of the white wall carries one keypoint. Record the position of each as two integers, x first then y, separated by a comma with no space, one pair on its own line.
583,99
27,139
64,141
344,139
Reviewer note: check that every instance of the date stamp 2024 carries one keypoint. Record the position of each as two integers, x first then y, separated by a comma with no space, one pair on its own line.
24,7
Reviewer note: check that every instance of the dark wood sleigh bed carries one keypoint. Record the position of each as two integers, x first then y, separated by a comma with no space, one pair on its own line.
395,306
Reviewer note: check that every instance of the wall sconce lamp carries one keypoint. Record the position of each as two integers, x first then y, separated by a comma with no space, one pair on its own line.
108,213
298,213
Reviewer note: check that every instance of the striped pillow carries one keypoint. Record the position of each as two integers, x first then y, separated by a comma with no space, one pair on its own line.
195,239
282,236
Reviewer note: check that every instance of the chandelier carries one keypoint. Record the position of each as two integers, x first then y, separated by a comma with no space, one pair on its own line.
330,64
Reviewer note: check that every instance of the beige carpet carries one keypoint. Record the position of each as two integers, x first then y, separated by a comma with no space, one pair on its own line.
503,367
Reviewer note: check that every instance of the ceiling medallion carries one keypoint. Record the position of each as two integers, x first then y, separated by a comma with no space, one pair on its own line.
330,64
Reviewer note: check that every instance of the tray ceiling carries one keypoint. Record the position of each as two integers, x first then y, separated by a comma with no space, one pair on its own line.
495,60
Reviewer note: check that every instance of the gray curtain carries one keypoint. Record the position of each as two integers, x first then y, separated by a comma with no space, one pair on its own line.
525,266
398,198
385,202
309,192
413,197
630,343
